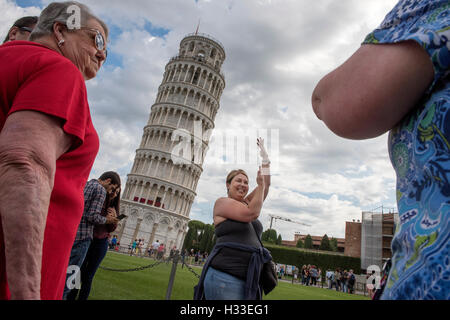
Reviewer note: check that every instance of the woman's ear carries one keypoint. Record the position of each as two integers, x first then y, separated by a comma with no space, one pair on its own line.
58,28
12,33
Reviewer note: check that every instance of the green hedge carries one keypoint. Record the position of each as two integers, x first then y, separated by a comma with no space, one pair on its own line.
324,261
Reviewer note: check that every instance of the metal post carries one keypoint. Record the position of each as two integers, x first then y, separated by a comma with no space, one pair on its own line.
172,275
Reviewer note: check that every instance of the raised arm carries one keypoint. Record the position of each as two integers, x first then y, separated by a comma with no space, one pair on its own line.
373,90
265,170
30,144
266,178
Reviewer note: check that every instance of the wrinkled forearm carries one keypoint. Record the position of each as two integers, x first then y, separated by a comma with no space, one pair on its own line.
25,190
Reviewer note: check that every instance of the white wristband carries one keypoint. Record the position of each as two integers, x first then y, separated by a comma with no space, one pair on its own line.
265,171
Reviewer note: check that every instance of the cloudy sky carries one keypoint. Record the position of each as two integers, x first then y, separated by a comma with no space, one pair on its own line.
276,52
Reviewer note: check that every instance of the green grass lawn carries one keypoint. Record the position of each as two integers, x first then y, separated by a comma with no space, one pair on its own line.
151,284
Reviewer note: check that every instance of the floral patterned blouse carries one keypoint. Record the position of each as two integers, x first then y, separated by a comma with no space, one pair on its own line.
419,148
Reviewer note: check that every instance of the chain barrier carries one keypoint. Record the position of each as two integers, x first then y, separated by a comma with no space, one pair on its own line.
191,270
174,258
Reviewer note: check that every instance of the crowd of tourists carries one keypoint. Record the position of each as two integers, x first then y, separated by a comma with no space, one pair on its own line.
311,275
194,257
341,280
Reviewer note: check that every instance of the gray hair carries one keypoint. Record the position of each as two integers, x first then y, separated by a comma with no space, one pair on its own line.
60,12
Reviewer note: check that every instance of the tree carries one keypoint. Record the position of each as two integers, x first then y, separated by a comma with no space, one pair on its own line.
270,235
279,240
325,243
206,238
194,235
189,239
196,224
334,244
300,244
211,244
308,242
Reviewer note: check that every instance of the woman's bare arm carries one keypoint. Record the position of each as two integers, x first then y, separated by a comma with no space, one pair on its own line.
373,90
30,144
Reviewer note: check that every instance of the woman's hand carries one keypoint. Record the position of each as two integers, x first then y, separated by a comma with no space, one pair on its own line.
111,217
112,212
263,153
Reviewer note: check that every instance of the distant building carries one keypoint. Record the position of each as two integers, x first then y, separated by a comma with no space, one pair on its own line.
353,239
317,240
370,239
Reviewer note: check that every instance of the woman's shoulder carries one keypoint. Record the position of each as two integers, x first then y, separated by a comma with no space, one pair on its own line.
41,57
226,200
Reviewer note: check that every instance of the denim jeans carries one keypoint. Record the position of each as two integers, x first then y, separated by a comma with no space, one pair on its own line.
96,253
344,287
219,285
77,255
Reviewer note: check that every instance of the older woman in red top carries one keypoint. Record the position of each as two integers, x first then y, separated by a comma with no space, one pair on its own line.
47,147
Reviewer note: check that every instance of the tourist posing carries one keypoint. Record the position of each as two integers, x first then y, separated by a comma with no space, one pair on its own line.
236,260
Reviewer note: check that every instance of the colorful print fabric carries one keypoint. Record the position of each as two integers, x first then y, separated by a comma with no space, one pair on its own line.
419,148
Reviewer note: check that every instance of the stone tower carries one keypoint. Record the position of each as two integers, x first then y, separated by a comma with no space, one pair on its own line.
160,188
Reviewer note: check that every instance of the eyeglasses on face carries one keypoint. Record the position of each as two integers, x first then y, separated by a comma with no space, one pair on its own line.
99,41
26,29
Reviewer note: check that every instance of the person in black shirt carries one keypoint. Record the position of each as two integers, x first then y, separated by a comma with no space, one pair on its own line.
236,222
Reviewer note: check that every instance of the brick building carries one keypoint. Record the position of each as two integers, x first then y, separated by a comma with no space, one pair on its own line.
316,241
353,239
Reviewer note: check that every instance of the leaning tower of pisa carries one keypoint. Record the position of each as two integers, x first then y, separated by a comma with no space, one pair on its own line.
160,188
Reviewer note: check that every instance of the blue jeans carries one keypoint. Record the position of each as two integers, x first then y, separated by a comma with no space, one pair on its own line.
219,285
96,253
77,255
344,287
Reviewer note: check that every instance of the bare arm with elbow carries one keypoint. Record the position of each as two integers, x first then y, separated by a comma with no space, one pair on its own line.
30,144
373,90
256,203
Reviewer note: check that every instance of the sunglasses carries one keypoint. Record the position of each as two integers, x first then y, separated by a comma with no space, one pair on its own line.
26,29
99,41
